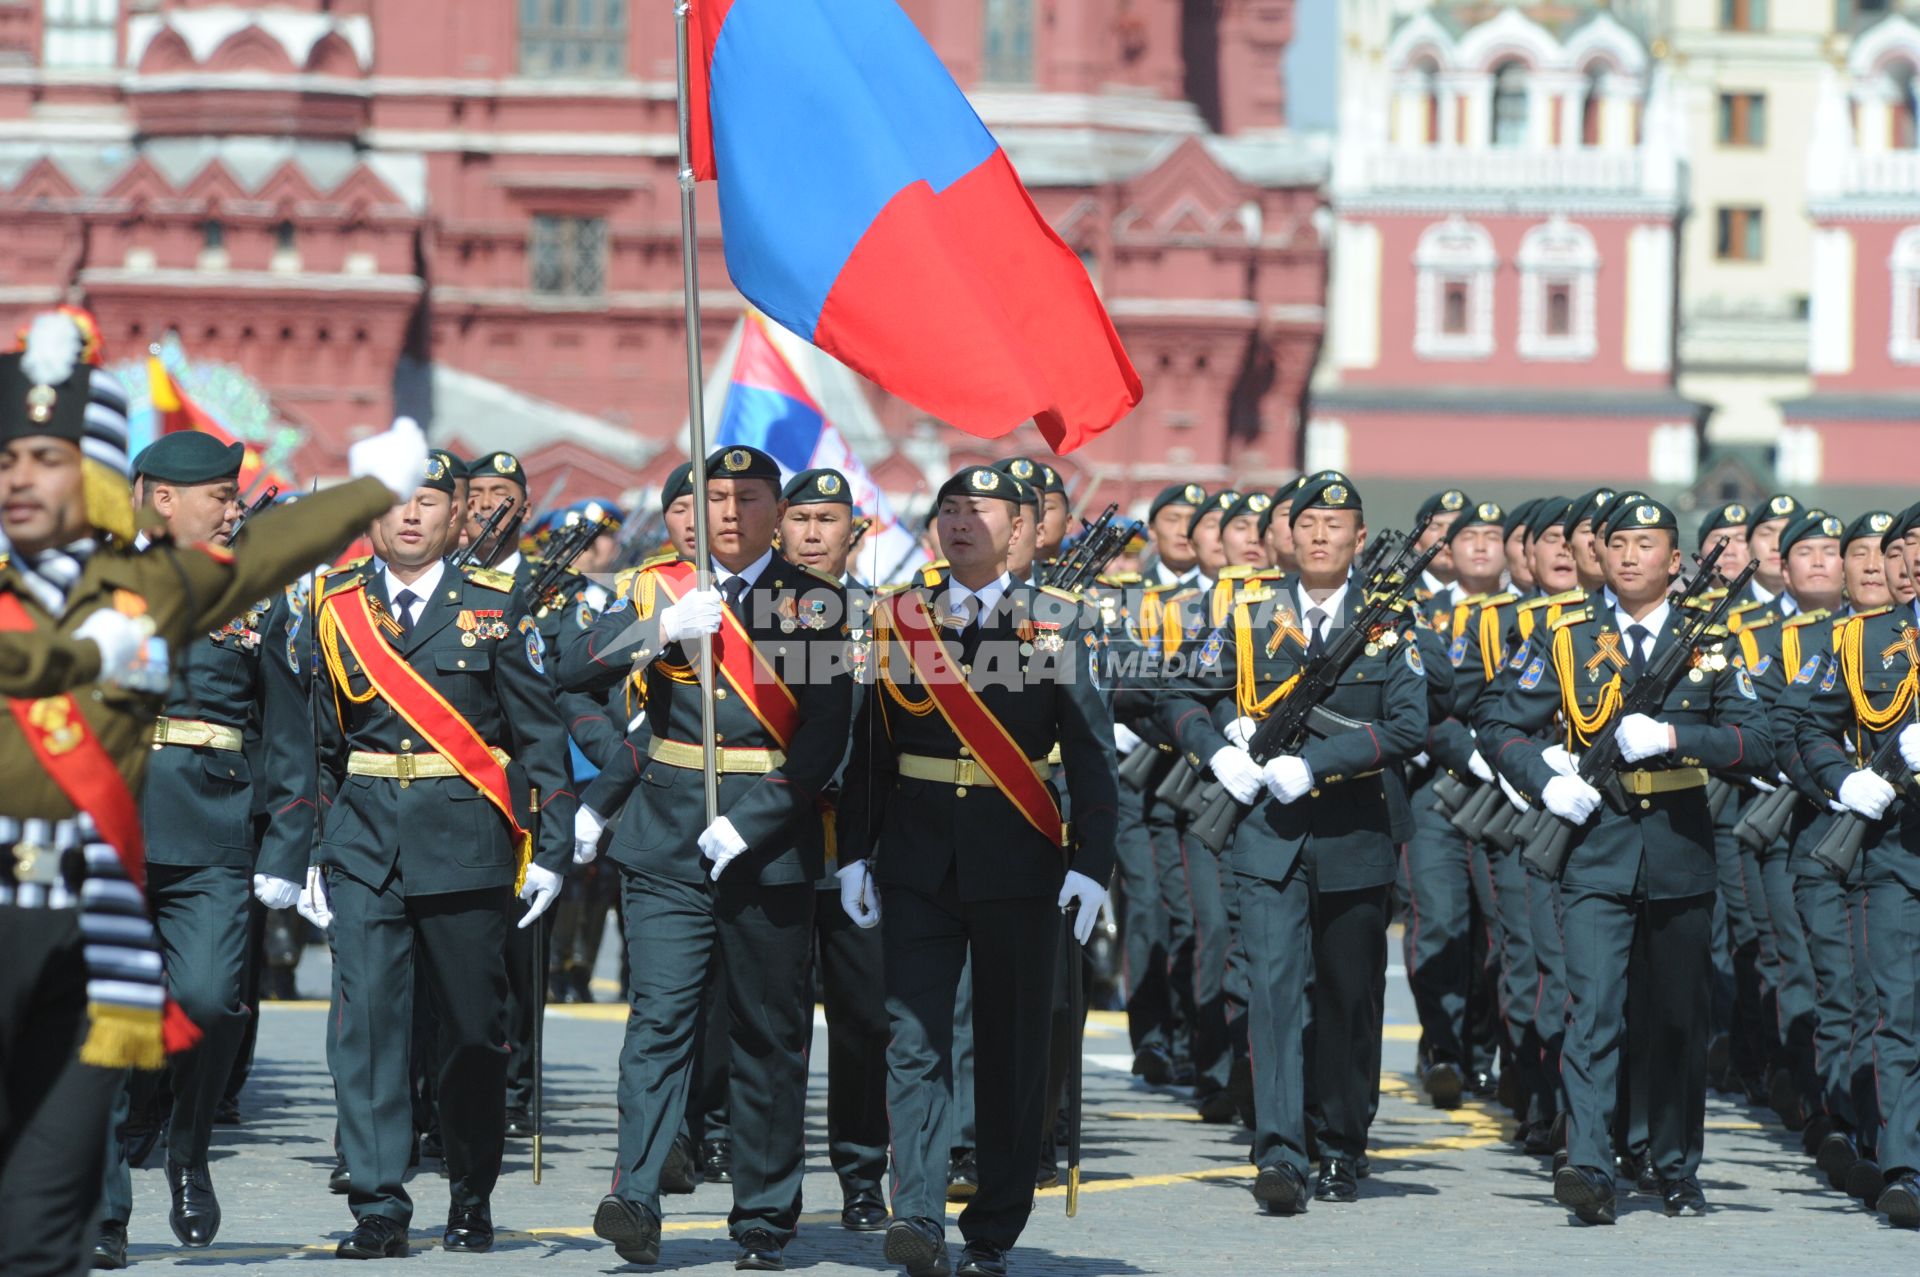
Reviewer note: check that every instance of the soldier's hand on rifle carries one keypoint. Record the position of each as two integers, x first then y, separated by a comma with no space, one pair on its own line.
587,824
1090,896
1287,778
275,893
121,640
697,614
1571,799
1910,746
1641,738
540,890
1557,757
1239,731
313,904
1237,773
720,842
1478,766
1764,786
397,458
857,894
1866,793
1125,740
1513,796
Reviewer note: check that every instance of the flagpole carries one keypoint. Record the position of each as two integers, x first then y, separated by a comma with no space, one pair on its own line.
696,409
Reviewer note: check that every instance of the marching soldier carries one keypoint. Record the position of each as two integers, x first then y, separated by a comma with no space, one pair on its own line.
86,624
1765,524
436,718
782,717
1636,896
1050,496
950,832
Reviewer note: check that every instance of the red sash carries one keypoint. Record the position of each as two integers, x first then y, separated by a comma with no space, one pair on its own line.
425,710
735,656
998,754
78,763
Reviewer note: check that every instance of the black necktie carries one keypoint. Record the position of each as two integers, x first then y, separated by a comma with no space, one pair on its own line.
1316,621
1639,639
732,589
403,610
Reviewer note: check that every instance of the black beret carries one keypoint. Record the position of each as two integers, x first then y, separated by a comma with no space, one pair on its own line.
1647,515
1810,525
818,487
1585,506
1328,490
1451,501
1731,515
443,469
189,456
741,462
1254,503
1486,514
498,465
1222,501
1907,520
1035,474
982,481
1872,525
1176,494
1281,496
1551,512
1519,516
679,484
1612,514
1780,505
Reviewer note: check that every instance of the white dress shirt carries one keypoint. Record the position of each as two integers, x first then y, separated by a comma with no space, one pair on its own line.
983,599
749,574
422,588
1329,606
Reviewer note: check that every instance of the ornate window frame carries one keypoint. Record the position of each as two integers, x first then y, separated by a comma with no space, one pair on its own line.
1553,253
1454,251
1903,265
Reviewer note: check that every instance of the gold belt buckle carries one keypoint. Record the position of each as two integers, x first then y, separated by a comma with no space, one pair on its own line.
963,771
403,769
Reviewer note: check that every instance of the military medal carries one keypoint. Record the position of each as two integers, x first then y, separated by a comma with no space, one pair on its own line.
1047,638
788,613
815,616
468,624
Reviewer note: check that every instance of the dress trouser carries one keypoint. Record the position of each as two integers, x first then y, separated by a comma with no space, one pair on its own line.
1349,938
764,936
1795,981
1205,878
1519,984
1143,928
928,937
1893,950
202,916
852,987
710,1093
1825,921
458,940
1550,1009
1165,834
1436,881
1608,935
53,1109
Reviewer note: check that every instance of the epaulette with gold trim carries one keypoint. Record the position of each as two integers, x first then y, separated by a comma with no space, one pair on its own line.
339,579
1498,600
1119,580
1755,622
1059,593
489,578
670,556
930,574
818,575
1866,615
1799,619
1565,619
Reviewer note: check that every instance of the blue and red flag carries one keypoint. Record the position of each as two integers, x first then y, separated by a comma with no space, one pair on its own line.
865,207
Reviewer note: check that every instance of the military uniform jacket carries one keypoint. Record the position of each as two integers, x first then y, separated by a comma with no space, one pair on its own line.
440,834
1865,691
1344,832
1663,841
777,812
186,591
588,721
1475,653
1043,690
1134,646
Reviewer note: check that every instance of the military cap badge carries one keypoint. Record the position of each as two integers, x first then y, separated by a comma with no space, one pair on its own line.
1259,502
1335,494
1452,499
1646,516
1735,513
1831,527
504,464
436,466
985,480
1020,468
1780,505
736,459
1194,494
1879,522
826,484
1489,512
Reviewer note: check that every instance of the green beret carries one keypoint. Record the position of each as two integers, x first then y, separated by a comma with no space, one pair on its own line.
1611,515
1585,506
741,462
1646,515
1451,501
1780,505
1035,474
1486,514
1551,512
818,487
189,456
679,484
982,481
1721,517
1222,501
1176,494
1519,516
498,465
1872,525
442,471
1254,503
1810,525
1328,490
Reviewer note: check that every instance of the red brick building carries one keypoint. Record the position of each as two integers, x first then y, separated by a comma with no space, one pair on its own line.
466,209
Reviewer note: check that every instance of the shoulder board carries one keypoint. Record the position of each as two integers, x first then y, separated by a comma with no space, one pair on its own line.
1181,594
1120,578
1799,619
1059,593
1718,631
668,557
489,579
1566,619
1758,622
888,591
1869,613
1235,571
1701,602
1472,600
1536,603
1712,594
1575,595
337,580
1499,600
1744,606
818,575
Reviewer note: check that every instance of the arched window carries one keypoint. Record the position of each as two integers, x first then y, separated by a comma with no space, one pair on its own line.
1510,104
1905,123
1590,107
1007,54
1429,103
1453,299
1903,339
1557,263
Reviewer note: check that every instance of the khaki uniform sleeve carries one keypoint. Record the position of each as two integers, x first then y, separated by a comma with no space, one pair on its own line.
42,663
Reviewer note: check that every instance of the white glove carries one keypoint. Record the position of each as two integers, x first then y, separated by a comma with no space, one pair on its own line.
1478,766
1570,798
1866,793
313,904
1641,738
1513,796
540,890
121,640
1421,759
1287,777
1237,773
275,893
397,458
587,825
720,842
1124,739
1557,757
1091,897
1910,746
1764,786
1239,731
697,614
857,895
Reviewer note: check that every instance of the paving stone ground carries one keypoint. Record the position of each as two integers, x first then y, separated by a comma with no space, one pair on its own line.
1163,1193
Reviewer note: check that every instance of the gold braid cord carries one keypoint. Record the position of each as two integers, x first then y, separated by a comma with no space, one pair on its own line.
327,636
1581,727
1852,663
1246,685
882,643
1491,657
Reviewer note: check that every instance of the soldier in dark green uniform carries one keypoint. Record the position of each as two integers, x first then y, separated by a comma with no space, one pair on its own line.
196,814
685,899
1636,896
953,834
419,855
1314,861
86,625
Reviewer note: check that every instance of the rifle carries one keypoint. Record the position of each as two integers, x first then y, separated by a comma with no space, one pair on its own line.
1767,819
566,546
1547,851
1719,794
1287,729
1136,767
1065,571
1473,816
1840,847
471,551
260,503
